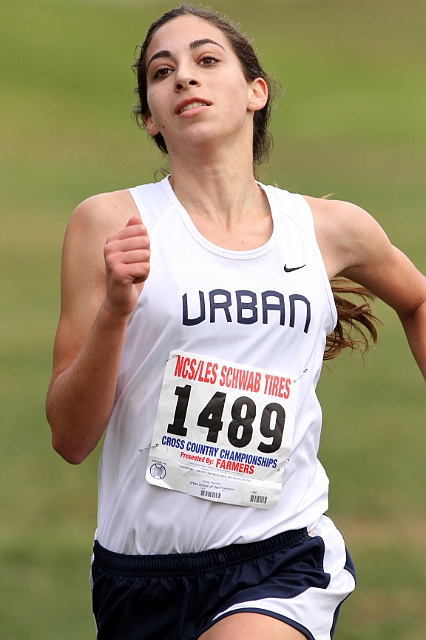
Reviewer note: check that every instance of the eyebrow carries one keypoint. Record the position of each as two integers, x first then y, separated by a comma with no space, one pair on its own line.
199,43
192,45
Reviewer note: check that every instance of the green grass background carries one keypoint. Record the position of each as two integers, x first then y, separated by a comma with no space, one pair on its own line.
352,122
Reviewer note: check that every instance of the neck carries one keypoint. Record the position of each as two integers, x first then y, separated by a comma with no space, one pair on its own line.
223,200
220,188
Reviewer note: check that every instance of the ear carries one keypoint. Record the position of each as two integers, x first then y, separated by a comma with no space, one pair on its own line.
150,124
258,94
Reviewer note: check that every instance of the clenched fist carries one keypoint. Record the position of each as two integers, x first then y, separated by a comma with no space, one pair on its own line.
126,256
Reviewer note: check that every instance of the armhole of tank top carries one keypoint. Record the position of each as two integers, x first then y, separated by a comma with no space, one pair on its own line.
136,193
307,222
150,202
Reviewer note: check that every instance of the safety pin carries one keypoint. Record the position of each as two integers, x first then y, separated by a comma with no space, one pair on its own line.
283,465
151,446
304,371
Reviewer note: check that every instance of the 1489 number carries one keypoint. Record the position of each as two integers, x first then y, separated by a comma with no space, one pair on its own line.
240,428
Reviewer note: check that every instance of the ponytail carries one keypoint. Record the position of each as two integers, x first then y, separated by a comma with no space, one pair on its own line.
356,323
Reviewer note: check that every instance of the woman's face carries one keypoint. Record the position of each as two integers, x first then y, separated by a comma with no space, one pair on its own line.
197,93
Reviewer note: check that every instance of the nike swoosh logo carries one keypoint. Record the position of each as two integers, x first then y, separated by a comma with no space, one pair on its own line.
290,269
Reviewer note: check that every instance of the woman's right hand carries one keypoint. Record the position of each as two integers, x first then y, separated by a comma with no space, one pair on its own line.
126,256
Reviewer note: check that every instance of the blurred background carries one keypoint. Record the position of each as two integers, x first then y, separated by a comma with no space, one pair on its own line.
351,121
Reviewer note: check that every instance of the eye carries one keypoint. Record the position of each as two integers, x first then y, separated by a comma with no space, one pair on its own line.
208,61
162,72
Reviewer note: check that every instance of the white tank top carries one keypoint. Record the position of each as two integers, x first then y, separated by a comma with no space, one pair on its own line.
269,307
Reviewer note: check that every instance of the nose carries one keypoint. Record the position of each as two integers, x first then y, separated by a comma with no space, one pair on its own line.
185,78
182,84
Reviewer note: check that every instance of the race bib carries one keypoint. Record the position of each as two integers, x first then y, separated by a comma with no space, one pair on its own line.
223,430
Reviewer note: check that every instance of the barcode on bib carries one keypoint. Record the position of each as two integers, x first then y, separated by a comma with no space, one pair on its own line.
259,499
211,494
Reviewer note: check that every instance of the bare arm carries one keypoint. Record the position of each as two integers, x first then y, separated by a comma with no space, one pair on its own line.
355,246
105,263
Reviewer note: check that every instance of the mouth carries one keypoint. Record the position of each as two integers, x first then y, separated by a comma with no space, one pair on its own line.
191,103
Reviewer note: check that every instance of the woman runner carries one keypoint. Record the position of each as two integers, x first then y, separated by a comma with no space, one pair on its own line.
195,313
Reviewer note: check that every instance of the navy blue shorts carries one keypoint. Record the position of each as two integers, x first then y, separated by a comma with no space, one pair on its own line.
179,596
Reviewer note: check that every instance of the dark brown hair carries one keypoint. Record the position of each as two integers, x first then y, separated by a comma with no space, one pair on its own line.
262,140
356,323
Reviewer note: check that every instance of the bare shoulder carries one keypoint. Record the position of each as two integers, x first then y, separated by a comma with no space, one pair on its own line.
103,214
347,235
88,228
343,220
